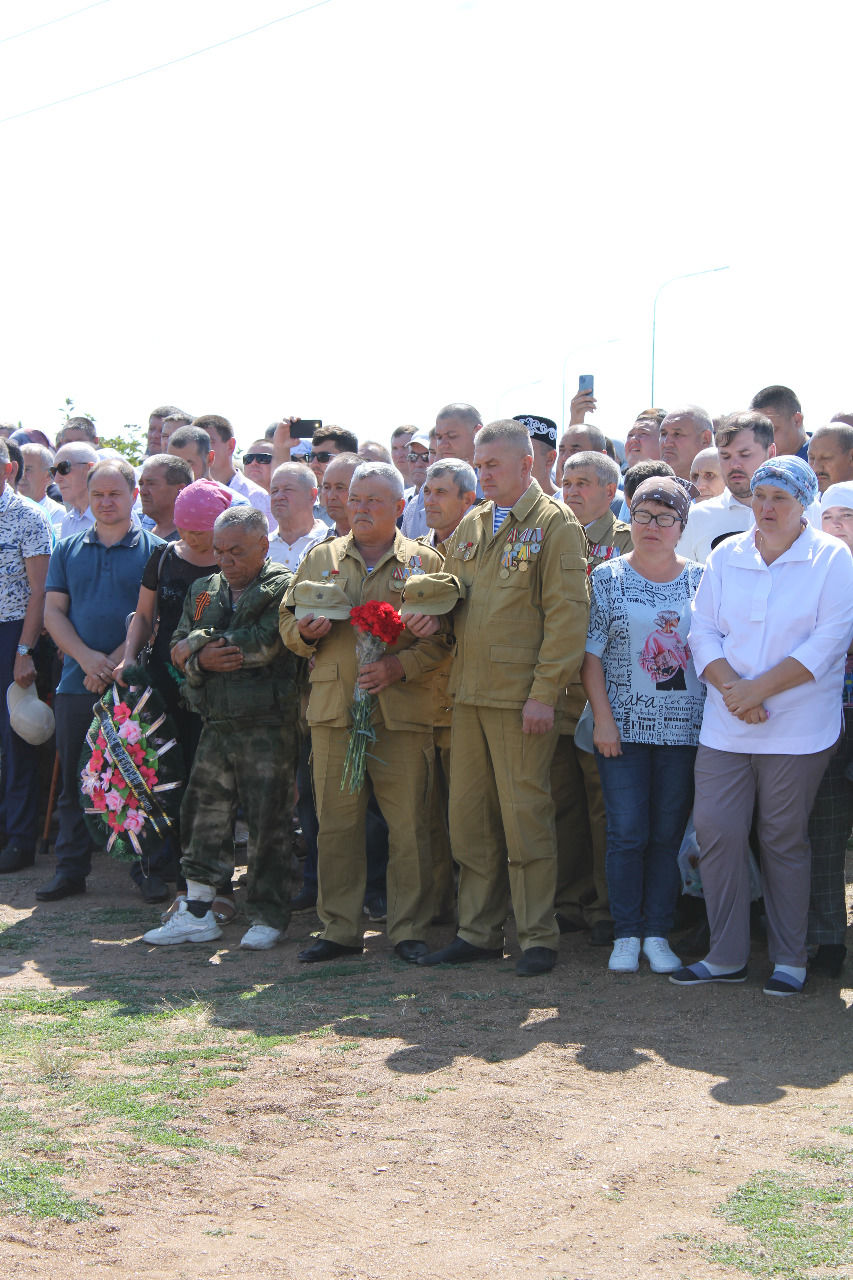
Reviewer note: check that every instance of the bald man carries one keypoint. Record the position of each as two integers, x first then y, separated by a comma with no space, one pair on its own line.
71,466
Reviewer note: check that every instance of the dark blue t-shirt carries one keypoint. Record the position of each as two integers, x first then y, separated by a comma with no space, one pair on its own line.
103,586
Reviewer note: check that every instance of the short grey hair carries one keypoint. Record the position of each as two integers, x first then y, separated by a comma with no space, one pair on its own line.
243,517
463,473
302,474
464,412
383,470
604,467
509,430
40,451
700,417
594,435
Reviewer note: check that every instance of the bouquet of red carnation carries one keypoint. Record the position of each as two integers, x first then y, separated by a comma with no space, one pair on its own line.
377,624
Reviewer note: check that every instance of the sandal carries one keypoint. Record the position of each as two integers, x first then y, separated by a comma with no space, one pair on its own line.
223,909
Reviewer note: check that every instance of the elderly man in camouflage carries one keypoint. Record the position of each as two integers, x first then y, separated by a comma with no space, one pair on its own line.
244,684
520,559
373,562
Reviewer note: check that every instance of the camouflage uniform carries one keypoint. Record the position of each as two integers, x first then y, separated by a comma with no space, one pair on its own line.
249,741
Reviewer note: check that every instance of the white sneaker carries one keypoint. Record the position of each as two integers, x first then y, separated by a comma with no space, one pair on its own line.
183,926
261,937
625,956
661,957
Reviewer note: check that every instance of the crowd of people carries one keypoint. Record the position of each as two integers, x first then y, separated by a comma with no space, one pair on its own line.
608,691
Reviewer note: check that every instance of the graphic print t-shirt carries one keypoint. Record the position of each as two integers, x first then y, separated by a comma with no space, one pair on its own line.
639,631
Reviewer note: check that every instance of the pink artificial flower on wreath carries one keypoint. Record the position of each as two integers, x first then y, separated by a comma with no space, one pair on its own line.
122,713
131,801
114,801
97,761
130,731
149,775
100,741
136,753
99,800
134,821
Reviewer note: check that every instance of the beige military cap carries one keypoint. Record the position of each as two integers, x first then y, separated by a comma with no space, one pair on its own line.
325,598
430,593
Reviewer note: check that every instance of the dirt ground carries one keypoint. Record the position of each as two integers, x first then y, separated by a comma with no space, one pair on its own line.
391,1121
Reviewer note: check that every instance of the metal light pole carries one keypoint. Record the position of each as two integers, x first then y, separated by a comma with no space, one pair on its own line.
689,275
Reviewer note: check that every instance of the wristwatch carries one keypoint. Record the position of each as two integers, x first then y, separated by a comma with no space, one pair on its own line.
24,652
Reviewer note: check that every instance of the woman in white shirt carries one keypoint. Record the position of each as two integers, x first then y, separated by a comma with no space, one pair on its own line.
772,620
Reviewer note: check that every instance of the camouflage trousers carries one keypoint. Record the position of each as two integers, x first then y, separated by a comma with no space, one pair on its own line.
252,765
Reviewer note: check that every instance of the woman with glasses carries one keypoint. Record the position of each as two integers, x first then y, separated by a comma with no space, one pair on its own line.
647,704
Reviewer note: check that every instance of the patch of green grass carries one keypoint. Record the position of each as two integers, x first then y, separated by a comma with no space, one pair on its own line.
33,1189
844,1128
836,1157
791,1227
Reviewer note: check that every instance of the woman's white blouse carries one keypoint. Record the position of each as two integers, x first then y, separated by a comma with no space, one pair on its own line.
754,615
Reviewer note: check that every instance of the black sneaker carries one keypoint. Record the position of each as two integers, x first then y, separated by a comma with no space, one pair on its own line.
376,907
14,858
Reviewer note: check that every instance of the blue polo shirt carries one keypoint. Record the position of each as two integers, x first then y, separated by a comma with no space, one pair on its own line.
103,586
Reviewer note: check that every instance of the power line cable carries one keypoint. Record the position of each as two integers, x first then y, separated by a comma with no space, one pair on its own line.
51,22
173,62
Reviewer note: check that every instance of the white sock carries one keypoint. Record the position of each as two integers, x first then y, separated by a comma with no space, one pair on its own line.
791,970
716,969
200,892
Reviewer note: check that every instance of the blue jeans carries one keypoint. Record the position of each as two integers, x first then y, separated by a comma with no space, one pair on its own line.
648,795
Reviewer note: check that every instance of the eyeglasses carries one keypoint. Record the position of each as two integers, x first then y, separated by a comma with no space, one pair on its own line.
62,468
257,457
664,521
321,457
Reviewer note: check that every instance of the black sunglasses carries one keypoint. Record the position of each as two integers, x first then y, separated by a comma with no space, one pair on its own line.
321,457
256,457
62,468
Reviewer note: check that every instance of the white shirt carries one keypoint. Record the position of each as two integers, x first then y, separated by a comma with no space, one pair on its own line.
54,511
75,521
710,520
754,615
721,517
413,524
254,494
290,554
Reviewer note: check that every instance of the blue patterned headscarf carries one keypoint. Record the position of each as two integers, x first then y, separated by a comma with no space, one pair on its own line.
790,473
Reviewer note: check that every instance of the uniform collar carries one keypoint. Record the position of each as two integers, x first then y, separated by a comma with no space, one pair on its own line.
598,528
397,550
521,508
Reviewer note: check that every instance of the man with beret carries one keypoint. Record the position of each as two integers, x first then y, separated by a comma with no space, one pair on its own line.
543,434
520,626
590,481
371,563
245,685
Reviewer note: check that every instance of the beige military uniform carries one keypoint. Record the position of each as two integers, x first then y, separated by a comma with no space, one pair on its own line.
521,630
400,762
443,874
581,897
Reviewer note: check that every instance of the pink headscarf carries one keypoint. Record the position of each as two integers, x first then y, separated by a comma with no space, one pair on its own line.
197,506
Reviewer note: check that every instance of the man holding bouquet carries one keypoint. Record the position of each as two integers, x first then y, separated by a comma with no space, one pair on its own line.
385,735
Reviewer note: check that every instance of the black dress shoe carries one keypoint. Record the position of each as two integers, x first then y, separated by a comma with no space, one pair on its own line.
325,949
601,934
567,925
14,858
305,900
461,952
61,886
828,959
535,960
152,888
411,950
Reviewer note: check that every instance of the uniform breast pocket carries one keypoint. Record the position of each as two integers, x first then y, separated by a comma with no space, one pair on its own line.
326,701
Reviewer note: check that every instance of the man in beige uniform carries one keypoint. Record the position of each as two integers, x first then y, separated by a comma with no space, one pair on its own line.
373,562
450,490
590,481
521,630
